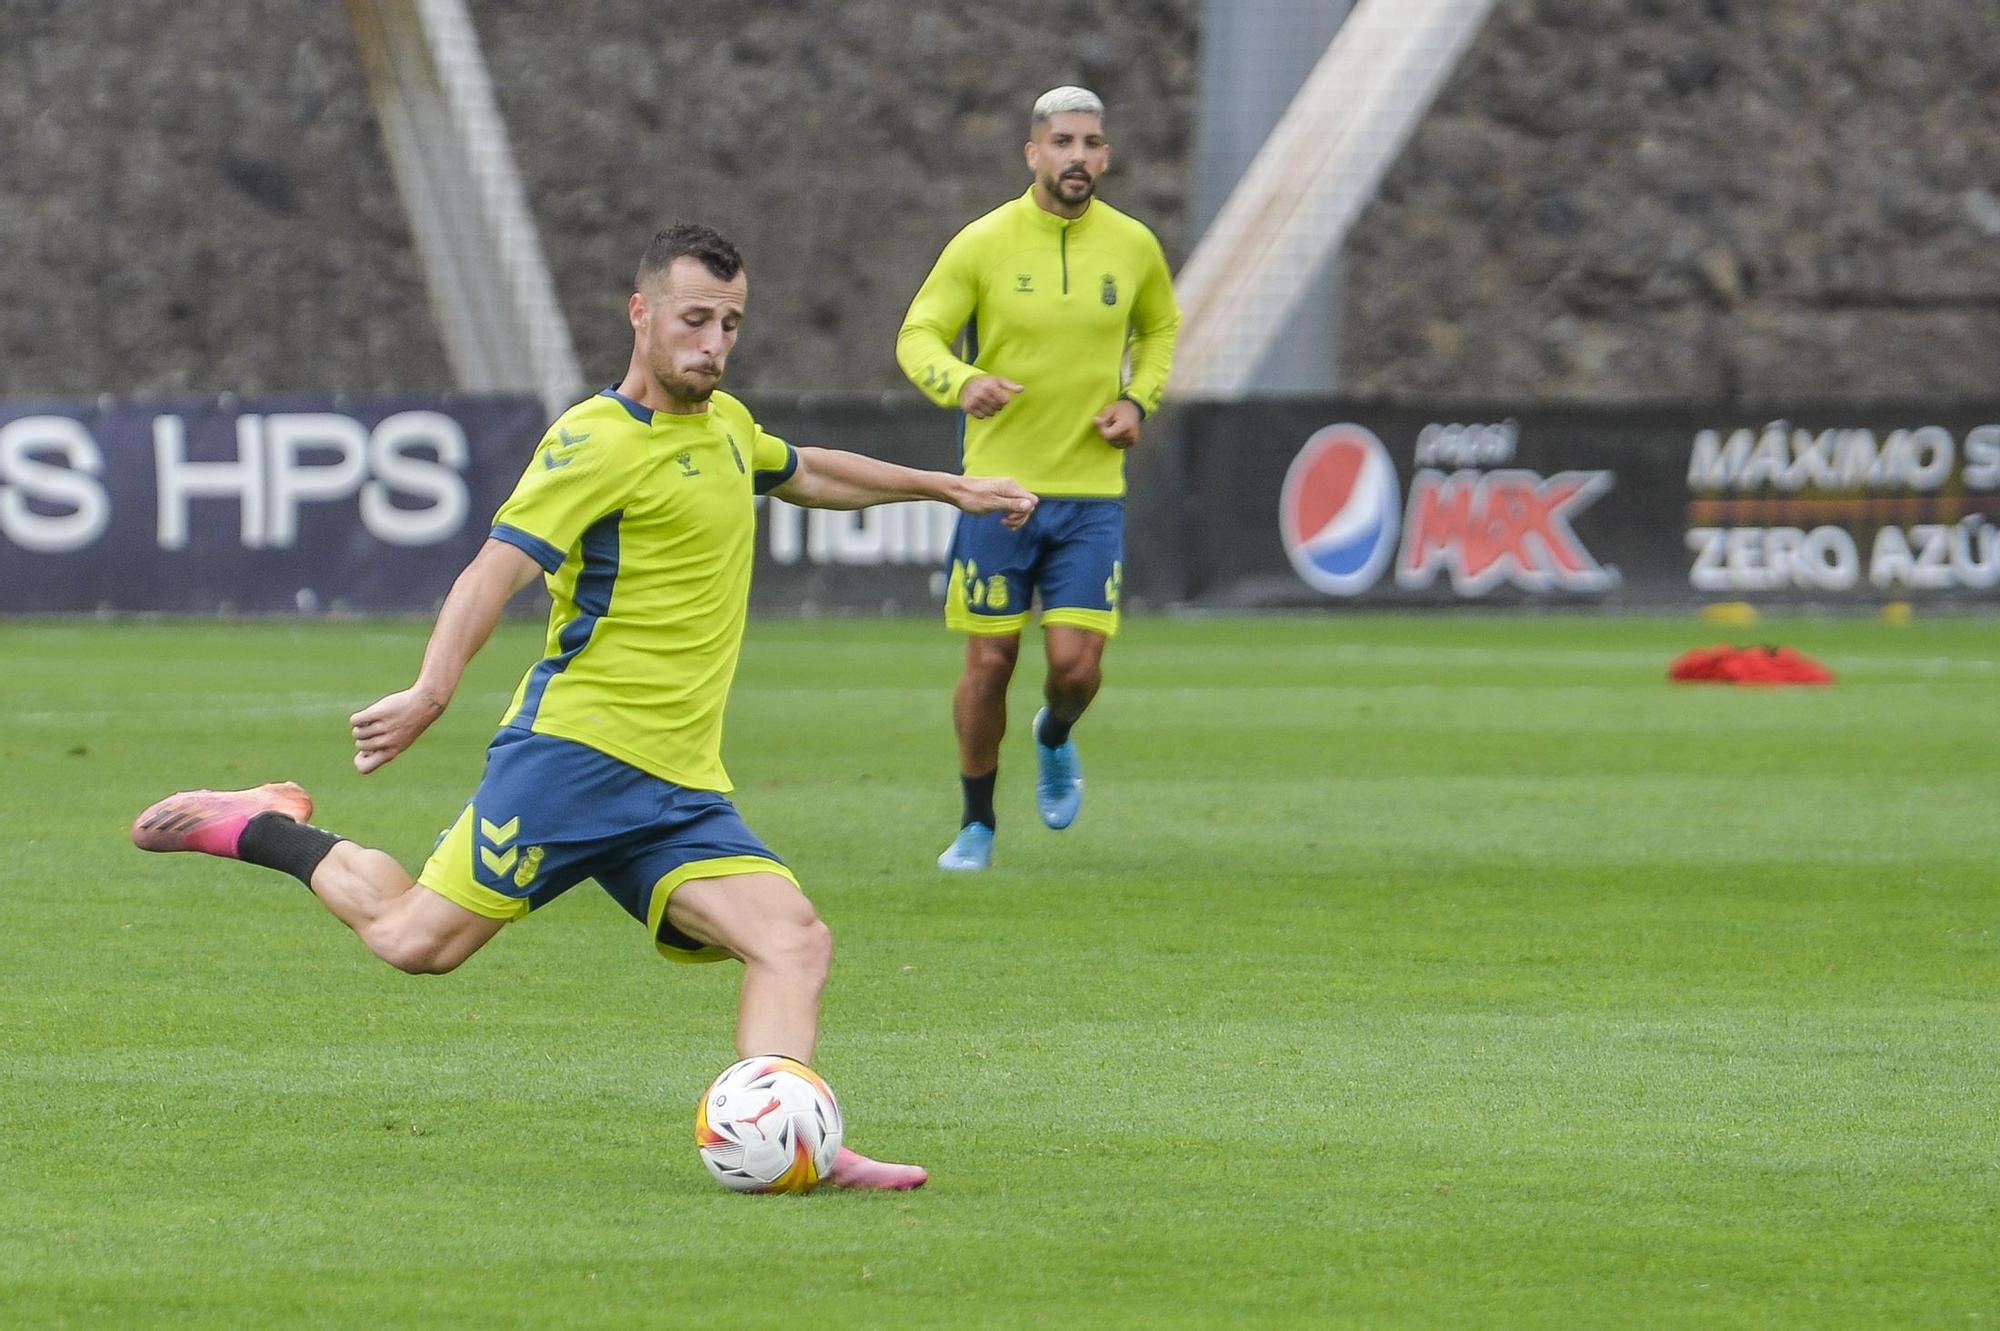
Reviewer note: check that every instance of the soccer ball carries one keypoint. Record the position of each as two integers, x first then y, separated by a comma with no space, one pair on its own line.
768,1124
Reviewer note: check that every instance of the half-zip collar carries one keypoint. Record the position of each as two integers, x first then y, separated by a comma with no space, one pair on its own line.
1050,219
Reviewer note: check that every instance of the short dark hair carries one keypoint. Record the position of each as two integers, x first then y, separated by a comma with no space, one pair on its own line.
689,240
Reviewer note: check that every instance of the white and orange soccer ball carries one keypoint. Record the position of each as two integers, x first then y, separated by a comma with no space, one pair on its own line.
768,1124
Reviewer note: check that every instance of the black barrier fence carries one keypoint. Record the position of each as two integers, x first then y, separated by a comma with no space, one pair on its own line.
374,504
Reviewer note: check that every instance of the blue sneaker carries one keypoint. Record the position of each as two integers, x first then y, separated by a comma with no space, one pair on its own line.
970,851
1059,791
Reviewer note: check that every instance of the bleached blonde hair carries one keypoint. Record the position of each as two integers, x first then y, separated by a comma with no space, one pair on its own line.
1069,97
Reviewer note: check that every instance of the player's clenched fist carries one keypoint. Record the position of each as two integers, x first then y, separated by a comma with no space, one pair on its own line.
1119,423
984,394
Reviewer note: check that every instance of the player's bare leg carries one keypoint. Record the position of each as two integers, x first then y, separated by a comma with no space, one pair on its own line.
1076,672
979,717
979,704
403,922
765,922
409,926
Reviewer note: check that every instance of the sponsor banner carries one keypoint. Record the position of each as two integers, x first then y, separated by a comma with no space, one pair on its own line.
1396,506
1839,508
1588,507
1347,522
253,505
335,504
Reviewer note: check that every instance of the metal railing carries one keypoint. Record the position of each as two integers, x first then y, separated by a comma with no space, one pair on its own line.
1291,212
490,288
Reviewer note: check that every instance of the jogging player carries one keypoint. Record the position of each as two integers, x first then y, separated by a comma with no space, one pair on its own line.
1054,295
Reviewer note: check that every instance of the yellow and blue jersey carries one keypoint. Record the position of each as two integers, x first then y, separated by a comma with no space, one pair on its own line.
1053,304
645,526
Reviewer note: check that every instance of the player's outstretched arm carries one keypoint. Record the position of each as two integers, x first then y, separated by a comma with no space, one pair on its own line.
831,478
386,727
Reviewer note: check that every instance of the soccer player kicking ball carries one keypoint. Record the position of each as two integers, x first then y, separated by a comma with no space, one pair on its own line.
637,508
1051,292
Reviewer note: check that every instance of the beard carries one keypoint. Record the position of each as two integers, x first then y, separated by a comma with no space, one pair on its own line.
693,388
1060,187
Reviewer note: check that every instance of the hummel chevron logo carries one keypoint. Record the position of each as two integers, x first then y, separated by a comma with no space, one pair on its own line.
562,449
499,858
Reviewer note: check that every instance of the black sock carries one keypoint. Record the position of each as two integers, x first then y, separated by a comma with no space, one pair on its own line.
979,799
276,842
1053,733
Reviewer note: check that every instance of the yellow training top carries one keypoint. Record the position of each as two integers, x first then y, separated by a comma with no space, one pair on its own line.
1051,304
645,525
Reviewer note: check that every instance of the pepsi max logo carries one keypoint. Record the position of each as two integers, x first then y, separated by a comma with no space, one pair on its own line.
1339,511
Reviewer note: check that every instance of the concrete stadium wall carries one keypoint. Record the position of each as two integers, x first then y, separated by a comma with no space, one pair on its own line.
1618,201
1718,199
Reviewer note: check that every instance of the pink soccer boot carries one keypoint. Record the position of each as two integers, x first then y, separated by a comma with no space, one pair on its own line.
854,1170
212,821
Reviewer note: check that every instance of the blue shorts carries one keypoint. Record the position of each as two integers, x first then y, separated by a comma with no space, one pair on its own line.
550,813
1071,554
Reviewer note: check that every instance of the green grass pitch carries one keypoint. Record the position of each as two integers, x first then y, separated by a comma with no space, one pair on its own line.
1419,972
